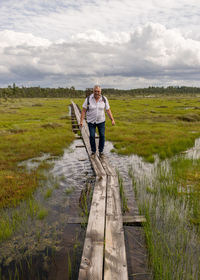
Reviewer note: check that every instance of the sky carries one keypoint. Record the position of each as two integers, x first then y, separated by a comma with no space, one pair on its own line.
114,43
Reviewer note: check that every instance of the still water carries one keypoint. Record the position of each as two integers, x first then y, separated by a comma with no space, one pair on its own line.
50,248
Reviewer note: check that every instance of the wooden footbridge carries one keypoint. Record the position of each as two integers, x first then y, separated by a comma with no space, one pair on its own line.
104,254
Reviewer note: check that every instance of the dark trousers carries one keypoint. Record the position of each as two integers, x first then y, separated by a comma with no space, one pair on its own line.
101,129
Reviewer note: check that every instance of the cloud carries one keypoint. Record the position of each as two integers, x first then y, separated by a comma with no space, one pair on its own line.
12,38
55,20
150,54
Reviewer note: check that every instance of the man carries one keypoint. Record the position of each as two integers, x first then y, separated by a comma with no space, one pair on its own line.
94,108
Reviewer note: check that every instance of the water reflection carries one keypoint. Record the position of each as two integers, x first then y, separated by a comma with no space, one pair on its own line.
72,171
194,153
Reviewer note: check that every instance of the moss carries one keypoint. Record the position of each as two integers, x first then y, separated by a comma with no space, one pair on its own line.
35,128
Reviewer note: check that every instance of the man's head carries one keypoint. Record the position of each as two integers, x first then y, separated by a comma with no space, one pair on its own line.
97,91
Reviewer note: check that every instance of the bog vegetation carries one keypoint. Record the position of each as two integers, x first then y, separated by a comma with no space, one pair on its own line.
29,128
153,127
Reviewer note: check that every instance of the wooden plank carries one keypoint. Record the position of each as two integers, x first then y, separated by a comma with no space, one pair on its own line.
127,220
134,220
75,220
107,166
98,168
115,255
91,266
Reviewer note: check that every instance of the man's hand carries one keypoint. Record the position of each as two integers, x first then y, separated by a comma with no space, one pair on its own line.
82,117
113,122
81,124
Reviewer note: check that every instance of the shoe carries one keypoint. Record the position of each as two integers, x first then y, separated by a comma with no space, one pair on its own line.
101,155
93,154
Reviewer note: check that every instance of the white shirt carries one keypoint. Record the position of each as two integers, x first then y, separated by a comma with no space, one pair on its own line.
96,113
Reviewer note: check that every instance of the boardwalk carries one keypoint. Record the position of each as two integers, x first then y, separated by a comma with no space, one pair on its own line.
104,255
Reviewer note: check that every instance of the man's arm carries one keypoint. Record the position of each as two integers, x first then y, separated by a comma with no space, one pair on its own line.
109,113
83,112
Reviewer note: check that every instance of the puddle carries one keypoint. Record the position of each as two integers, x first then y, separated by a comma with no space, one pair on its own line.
33,163
194,153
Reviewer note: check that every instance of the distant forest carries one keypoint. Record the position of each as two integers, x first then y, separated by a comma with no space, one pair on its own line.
38,92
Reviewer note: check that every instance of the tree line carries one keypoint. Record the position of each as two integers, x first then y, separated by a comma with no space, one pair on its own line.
38,92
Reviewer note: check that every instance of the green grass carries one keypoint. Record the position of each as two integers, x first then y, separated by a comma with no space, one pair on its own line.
124,204
48,193
69,190
11,222
42,214
186,174
170,203
29,128
148,126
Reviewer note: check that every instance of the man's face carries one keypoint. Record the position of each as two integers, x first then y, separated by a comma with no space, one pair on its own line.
97,92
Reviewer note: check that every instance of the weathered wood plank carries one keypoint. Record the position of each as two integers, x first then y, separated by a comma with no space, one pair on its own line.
91,266
134,220
127,220
107,166
115,267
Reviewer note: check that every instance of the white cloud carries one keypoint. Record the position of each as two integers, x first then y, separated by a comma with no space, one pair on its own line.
149,54
12,38
61,19
55,43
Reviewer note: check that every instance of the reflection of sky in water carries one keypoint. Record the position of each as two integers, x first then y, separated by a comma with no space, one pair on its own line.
73,170
70,171
194,153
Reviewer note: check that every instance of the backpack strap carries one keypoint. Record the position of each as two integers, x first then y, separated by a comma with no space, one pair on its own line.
104,100
88,101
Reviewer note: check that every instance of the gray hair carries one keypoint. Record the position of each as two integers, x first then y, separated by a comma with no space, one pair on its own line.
96,86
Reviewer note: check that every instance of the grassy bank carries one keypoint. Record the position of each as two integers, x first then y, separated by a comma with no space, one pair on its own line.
147,126
154,126
29,128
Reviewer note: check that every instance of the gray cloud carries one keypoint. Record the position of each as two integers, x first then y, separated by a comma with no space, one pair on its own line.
107,42
150,54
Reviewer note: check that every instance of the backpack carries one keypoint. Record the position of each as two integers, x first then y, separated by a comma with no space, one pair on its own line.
88,101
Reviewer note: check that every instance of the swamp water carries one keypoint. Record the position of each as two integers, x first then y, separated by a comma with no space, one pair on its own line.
50,248
46,247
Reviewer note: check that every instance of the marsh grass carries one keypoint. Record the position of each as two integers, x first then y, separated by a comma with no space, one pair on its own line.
48,193
153,126
73,260
84,203
122,194
69,263
26,132
186,174
11,221
42,214
170,203
68,191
